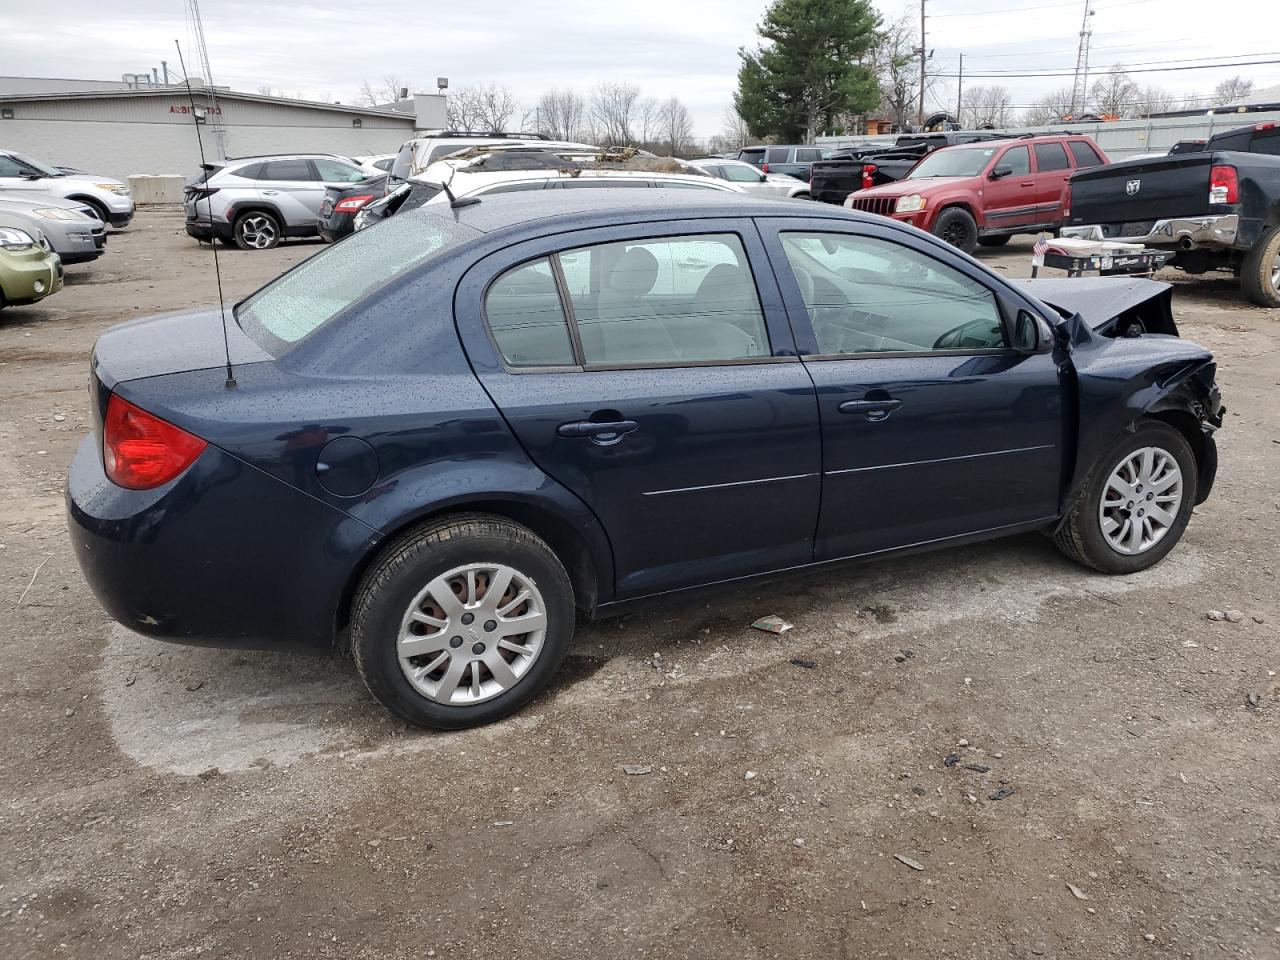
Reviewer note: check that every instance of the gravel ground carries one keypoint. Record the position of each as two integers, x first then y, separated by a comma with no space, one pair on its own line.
166,802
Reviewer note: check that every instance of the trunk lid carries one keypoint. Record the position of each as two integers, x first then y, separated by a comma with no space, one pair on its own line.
1141,192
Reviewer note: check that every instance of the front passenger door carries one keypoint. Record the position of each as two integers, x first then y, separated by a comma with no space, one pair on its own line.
933,427
293,187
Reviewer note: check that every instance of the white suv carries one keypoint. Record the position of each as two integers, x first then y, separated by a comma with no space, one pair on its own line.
110,199
255,202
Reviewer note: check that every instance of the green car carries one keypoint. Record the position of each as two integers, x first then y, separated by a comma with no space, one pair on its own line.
29,269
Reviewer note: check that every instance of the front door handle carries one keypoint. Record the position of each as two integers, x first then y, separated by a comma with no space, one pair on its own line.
873,410
1028,183
270,193
601,433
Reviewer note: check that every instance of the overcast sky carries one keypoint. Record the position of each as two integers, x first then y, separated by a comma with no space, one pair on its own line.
323,50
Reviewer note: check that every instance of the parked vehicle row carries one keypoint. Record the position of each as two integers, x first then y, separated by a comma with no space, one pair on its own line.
52,216
869,165
578,401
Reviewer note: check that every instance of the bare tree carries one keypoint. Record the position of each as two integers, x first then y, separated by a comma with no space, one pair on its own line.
675,126
464,109
561,114
373,95
1151,100
613,108
648,123
985,107
496,105
1050,108
1114,93
734,136
897,67
1231,92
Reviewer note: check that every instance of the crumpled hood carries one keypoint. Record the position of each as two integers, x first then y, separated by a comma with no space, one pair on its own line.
1100,301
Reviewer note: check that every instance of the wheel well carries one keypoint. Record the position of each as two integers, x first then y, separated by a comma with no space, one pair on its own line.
240,210
1187,424
559,535
91,201
962,205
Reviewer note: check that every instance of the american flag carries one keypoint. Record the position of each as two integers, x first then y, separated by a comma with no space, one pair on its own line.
1041,247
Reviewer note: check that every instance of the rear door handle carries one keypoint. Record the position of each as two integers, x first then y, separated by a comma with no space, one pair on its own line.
602,433
873,410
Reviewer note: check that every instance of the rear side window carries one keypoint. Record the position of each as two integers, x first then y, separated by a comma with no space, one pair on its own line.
1267,141
287,170
322,287
778,154
755,156
332,171
1085,155
1051,156
808,154
526,319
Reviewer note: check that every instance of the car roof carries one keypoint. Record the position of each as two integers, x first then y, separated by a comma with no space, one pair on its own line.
555,211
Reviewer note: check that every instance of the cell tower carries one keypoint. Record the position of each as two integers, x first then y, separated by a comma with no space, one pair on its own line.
214,115
1080,87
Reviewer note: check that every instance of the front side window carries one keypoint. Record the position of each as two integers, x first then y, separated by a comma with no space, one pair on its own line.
1050,157
287,170
526,318
866,296
331,171
737,174
317,290
1017,159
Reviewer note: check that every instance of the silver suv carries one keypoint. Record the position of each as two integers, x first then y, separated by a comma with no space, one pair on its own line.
255,202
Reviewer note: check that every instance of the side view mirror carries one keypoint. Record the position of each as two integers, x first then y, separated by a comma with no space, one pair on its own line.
1026,333
1004,170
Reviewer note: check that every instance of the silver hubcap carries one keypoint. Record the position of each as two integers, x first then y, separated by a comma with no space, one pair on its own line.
258,232
1141,500
1275,274
472,634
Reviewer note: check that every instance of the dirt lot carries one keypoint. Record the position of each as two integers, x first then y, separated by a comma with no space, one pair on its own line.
163,802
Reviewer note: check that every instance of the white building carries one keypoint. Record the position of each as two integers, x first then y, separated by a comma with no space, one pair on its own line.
116,129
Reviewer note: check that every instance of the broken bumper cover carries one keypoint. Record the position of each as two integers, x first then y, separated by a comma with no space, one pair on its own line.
1211,231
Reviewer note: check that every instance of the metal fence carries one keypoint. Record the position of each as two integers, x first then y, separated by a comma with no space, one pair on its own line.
1122,138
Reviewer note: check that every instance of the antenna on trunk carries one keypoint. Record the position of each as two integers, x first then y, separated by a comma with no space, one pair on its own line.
217,267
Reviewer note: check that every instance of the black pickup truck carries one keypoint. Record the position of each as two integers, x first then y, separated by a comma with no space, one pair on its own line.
868,165
1219,207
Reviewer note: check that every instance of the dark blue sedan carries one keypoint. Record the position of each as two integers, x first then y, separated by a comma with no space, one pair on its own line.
448,433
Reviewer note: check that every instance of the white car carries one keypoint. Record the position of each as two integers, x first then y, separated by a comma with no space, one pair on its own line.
376,165
110,199
466,183
750,179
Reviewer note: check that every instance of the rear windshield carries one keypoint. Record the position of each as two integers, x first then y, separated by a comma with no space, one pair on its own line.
968,162
318,289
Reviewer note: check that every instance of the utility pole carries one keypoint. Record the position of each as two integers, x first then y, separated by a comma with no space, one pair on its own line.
1080,86
923,59
960,93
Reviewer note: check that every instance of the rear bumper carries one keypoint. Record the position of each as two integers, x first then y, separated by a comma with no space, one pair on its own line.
208,230
336,226
1211,231
223,556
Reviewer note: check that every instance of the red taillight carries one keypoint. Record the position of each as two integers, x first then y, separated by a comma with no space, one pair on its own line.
1224,186
1270,125
352,204
764,167
141,451
867,170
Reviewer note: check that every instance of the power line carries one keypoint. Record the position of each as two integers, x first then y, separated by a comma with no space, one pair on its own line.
990,75
1047,6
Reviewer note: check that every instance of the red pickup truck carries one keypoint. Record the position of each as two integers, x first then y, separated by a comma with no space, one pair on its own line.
984,193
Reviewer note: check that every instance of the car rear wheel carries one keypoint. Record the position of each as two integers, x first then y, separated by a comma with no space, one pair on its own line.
461,622
998,241
1260,272
958,228
256,230
1135,504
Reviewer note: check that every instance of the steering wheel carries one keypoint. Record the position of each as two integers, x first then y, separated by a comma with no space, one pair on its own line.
980,333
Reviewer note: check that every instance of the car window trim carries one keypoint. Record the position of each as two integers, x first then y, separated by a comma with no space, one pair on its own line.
575,338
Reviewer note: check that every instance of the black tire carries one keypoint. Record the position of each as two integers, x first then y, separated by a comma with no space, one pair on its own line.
1080,536
803,195
99,208
256,230
996,241
227,242
1260,272
405,568
957,227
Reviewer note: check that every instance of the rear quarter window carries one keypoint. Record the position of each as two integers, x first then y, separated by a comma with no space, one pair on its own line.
1084,154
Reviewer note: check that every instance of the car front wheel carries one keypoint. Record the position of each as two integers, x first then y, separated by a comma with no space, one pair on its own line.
256,230
1135,504
462,622
957,227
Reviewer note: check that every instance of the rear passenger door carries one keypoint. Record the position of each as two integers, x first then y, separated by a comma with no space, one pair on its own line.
293,187
1053,171
669,399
